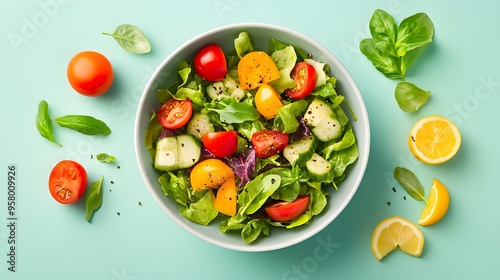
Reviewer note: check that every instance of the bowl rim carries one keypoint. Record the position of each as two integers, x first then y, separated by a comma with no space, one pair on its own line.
362,160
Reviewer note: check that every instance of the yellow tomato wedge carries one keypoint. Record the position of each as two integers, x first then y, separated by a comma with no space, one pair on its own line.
434,140
210,173
226,199
267,101
256,68
437,204
397,233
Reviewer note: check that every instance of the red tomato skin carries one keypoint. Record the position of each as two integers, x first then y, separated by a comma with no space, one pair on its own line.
287,211
210,63
67,181
269,142
174,113
221,144
90,73
305,77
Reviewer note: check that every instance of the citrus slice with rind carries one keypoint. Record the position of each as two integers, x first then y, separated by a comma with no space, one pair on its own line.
434,140
437,204
397,233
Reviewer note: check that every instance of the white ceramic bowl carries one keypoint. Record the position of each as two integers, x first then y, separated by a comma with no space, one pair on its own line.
261,33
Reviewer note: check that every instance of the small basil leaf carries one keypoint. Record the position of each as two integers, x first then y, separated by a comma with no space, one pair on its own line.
93,198
103,157
414,32
131,38
409,182
84,124
44,123
409,97
383,27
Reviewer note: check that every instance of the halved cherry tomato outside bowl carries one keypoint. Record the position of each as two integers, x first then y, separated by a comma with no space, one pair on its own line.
175,113
67,181
269,142
283,211
305,77
210,63
221,143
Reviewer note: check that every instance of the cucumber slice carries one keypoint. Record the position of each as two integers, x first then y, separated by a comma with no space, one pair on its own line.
166,154
199,125
299,152
177,152
319,169
328,129
317,111
188,150
225,88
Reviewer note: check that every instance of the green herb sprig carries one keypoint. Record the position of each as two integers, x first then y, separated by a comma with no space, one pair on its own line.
392,49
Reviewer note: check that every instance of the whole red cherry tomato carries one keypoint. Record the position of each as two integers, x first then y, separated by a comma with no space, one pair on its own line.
210,63
90,73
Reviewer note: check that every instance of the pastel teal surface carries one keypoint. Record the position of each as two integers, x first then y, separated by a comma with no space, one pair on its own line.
130,237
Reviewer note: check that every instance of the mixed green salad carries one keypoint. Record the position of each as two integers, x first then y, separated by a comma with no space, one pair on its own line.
251,139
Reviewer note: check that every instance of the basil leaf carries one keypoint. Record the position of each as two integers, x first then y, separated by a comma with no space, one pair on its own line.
414,32
103,157
232,111
409,97
131,39
409,182
44,123
84,124
93,198
382,26
376,51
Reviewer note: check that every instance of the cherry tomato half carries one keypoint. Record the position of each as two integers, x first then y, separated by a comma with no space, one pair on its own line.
269,142
175,113
90,73
210,63
286,211
221,143
304,75
67,181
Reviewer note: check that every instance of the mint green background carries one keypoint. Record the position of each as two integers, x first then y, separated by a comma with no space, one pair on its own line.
461,68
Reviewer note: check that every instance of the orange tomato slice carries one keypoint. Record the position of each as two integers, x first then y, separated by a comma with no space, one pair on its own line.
256,68
226,199
210,173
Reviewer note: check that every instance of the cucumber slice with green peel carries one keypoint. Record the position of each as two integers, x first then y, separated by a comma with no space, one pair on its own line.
319,169
199,125
317,111
188,150
299,152
167,154
224,89
177,152
328,129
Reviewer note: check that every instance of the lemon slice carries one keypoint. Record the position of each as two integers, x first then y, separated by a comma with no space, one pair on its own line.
437,204
434,140
397,233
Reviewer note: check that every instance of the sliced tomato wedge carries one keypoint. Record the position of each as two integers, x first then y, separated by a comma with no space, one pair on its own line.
67,181
221,143
305,77
269,142
283,211
175,113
